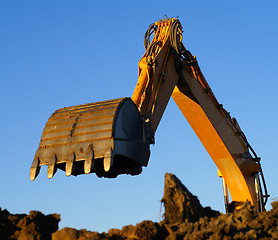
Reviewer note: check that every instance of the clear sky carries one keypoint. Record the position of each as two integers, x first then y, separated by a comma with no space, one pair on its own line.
55,54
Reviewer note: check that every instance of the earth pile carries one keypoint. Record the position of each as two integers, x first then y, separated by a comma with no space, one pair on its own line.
184,218
180,204
35,226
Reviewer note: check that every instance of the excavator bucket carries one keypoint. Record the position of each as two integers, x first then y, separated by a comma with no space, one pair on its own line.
106,138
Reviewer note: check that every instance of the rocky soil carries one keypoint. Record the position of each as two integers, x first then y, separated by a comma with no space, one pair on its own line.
27,227
184,218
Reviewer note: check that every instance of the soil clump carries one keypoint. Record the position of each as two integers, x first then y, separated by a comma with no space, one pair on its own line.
180,204
184,218
35,226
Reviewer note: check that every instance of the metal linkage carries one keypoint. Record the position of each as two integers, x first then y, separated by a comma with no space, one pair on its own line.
225,191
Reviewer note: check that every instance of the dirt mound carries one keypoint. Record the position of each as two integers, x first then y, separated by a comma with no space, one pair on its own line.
143,231
180,204
35,226
241,224
184,218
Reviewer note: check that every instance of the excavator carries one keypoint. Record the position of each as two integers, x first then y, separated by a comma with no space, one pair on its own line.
113,137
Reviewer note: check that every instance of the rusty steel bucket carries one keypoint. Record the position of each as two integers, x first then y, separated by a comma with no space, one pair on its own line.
106,138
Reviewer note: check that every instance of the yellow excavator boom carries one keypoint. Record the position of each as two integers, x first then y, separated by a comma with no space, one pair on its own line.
113,137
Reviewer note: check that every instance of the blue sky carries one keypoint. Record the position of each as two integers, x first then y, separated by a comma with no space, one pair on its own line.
62,53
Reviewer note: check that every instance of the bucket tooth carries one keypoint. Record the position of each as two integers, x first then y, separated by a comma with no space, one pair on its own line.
89,163
70,166
35,169
107,161
52,167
